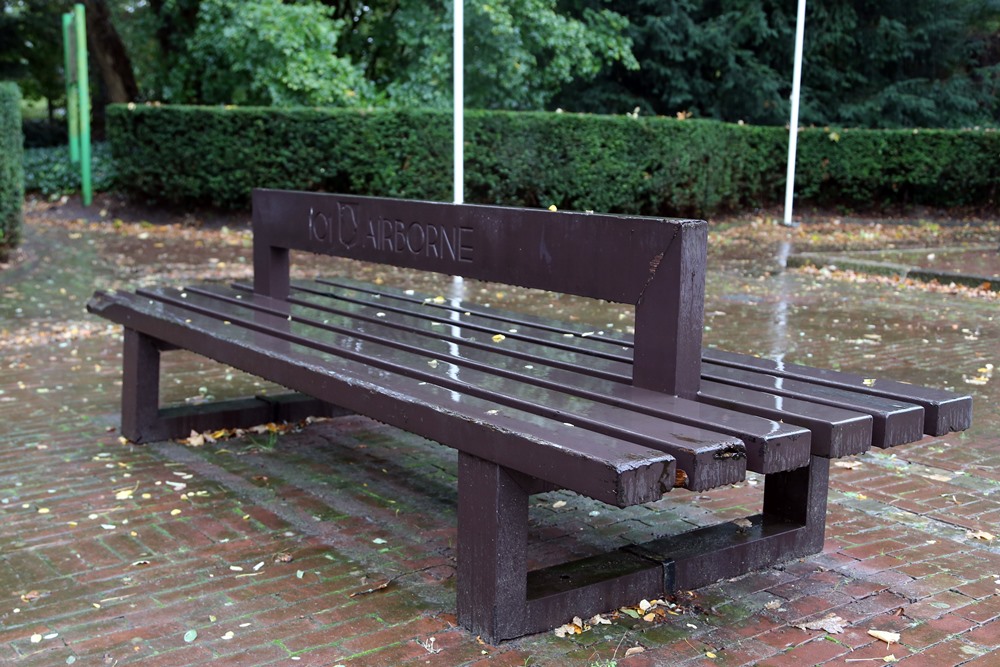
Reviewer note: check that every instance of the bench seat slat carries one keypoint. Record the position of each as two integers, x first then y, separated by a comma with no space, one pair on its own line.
896,422
836,432
609,469
891,424
771,446
944,411
709,459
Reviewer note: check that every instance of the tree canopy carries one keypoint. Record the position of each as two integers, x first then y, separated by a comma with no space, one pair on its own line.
868,63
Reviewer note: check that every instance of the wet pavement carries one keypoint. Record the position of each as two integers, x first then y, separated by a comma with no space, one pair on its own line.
335,543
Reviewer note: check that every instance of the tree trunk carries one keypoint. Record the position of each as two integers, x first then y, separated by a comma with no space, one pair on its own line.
109,53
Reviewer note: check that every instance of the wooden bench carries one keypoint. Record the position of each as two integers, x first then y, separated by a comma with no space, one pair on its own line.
530,404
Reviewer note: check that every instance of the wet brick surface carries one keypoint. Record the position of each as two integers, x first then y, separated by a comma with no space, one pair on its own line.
336,544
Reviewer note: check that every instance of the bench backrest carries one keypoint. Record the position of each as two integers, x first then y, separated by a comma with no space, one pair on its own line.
656,264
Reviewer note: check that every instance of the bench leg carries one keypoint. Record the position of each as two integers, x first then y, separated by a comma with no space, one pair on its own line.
140,386
800,497
144,421
497,597
791,526
492,549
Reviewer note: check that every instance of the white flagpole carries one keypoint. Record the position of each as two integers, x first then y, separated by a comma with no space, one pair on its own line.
793,128
458,94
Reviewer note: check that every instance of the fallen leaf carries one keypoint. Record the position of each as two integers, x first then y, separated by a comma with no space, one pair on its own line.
773,604
228,635
710,655
832,624
635,650
190,636
981,535
887,637
498,338
850,465
283,557
574,628
559,503
35,638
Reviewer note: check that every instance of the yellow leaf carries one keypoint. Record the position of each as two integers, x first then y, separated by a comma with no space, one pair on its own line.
886,636
634,651
981,535
499,337
553,208
709,654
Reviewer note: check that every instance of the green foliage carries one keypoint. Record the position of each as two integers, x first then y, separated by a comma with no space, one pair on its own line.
31,45
920,63
655,166
345,53
11,173
518,53
50,172
267,53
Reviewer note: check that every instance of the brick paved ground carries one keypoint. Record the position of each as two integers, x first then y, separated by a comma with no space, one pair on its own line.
336,544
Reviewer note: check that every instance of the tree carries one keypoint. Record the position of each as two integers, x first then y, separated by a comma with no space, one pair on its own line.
871,63
519,53
109,53
265,53
31,47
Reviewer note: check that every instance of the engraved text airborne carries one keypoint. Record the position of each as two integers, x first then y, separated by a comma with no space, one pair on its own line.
351,231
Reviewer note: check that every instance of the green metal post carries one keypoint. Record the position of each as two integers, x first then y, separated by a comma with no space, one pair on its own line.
72,113
83,88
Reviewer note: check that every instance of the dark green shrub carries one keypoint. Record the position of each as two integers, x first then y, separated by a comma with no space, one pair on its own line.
654,166
11,173
43,133
50,172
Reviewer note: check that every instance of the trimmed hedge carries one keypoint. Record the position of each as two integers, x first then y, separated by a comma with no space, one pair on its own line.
11,170
657,166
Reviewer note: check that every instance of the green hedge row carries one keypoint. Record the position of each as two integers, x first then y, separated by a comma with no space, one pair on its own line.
214,155
11,170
